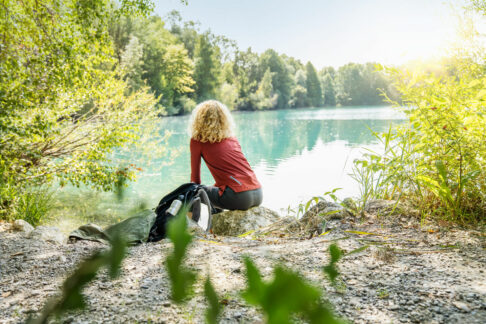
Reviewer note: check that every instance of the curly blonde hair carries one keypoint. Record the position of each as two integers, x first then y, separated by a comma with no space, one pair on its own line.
211,122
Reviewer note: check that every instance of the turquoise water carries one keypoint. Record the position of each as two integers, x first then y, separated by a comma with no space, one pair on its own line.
296,154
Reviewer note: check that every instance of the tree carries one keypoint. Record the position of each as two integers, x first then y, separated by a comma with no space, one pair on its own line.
131,64
361,84
313,86
298,97
177,70
64,109
156,40
207,67
301,78
281,79
187,32
349,84
228,95
327,76
245,74
264,97
328,91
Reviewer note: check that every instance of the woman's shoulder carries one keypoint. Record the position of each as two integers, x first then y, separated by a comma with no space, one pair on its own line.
231,141
224,140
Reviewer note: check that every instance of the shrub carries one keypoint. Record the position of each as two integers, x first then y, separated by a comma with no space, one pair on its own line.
437,159
64,108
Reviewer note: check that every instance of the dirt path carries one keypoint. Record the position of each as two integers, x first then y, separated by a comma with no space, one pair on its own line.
406,274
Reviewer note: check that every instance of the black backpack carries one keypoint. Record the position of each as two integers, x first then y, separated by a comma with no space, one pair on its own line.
189,191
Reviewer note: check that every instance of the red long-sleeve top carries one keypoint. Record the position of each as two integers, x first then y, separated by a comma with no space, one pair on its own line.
226,162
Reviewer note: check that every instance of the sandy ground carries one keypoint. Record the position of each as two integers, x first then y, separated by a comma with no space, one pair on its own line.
408,274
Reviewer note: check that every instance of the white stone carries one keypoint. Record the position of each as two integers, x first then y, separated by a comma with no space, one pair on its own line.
48,233
22,226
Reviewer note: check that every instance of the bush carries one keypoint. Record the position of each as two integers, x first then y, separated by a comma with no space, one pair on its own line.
437,160
64,104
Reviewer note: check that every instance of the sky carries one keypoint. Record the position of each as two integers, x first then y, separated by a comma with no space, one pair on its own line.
328,32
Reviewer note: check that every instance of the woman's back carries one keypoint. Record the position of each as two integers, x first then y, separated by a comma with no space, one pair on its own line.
226,162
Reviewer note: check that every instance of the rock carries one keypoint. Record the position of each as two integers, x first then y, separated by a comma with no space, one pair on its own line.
237,222
393,307
380,206
194,228
313,220
462,306
22,226
48,233
385,254
285,225
350,204
326,210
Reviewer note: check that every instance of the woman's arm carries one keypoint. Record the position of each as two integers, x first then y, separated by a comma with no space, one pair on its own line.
195,161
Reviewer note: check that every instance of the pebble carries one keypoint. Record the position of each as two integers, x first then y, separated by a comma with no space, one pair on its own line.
393,307
419,287
462,306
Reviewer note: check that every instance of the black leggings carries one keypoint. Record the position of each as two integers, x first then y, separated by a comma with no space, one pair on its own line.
234,200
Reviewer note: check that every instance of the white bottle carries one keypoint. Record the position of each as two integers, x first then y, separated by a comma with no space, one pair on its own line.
175,206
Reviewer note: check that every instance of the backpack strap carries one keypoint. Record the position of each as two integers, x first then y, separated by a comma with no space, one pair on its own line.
204,197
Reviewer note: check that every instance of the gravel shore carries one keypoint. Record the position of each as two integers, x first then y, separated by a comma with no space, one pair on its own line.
406,274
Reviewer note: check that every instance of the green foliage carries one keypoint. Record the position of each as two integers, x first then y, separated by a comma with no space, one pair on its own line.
478,5
72,297
63,122
228,95
331,269
329,93
360,84
187,104
313,86
177,73
264,97
214,309
245,69
131,64
281,79
286,295
33,205
436,161
181,279
207,67
298,97
183,62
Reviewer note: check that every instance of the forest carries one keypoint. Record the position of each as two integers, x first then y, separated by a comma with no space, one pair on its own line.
183,65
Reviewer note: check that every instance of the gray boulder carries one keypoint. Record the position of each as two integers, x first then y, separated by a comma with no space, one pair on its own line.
350,204
380,206
237,222
48,233
315,218
325,210
22,226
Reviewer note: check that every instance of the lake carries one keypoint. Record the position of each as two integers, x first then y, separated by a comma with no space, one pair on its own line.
296,154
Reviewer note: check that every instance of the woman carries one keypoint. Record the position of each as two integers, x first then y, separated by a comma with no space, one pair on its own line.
236,187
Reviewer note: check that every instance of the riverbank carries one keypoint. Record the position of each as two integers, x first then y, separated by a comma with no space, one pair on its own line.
292,169
406,273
